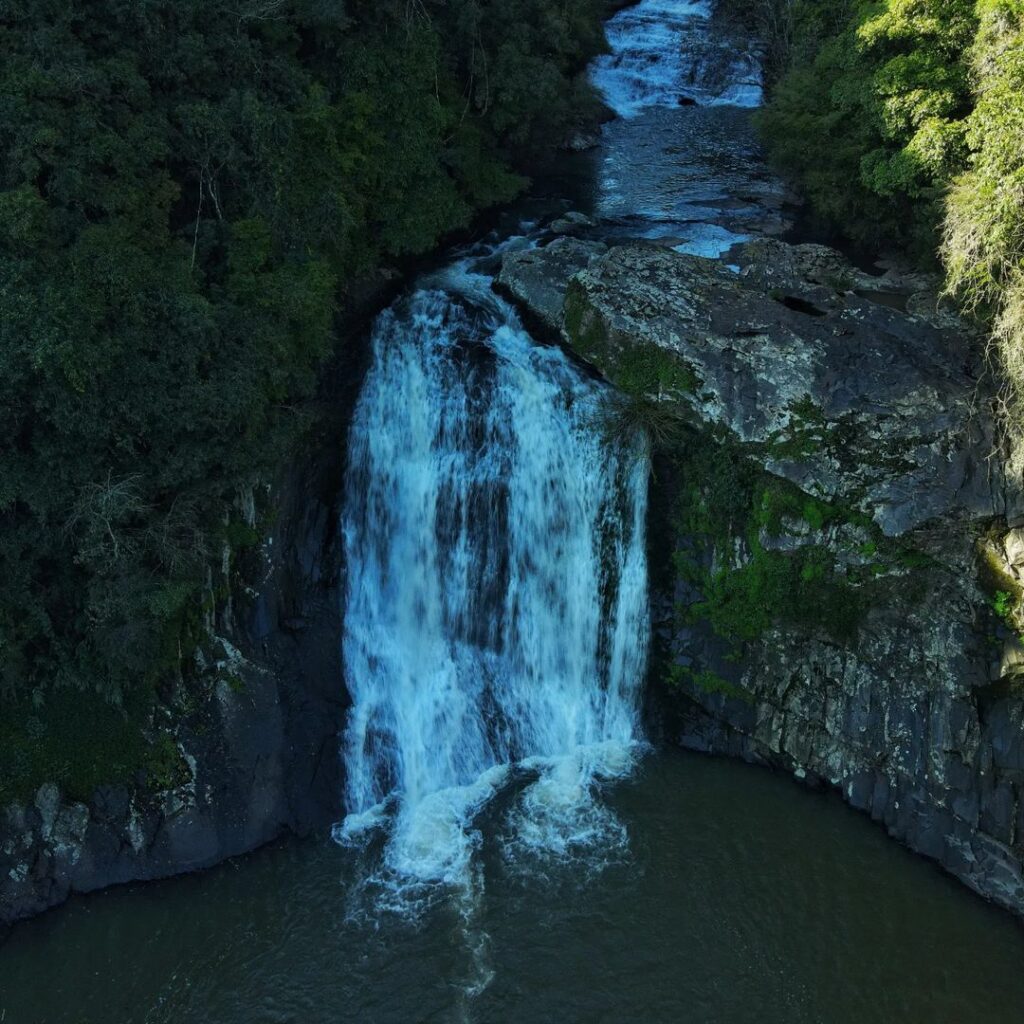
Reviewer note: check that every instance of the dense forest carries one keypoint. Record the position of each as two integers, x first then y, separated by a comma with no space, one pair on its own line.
187,190
902,122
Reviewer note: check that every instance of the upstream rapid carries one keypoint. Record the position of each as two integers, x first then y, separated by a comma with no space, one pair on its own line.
513,850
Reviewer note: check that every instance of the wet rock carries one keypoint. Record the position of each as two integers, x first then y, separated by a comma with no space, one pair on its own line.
911,713
851,401
537,278
570,223
581,141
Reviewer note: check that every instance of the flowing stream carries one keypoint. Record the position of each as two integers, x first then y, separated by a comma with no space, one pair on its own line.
496,614
512,850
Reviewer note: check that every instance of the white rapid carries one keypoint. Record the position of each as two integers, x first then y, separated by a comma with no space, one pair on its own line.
496,614
664,53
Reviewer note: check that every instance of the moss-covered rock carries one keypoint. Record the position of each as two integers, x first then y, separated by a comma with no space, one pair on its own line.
854,402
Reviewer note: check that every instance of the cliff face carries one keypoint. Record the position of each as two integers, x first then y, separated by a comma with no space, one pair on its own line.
251,741
832,534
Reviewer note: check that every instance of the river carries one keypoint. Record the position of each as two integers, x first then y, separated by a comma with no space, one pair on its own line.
514,849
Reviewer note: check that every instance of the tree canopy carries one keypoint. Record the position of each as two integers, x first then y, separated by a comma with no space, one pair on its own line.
903,123
186,188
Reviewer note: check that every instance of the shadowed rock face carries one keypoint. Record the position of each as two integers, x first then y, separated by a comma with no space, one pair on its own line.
261,754
857,391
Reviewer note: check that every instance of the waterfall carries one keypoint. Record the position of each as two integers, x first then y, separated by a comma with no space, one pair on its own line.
496,609
664,53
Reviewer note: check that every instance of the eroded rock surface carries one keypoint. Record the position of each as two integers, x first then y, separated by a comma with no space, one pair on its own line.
848,399
254,751
831,531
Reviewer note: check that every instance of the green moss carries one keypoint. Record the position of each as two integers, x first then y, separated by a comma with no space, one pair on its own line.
650,370
77,740
235,683
779,500
806,434
727,499
801,588
573,309
1003,604
587,333
909,558
707,681
639,371
164,765
81,741
1005,594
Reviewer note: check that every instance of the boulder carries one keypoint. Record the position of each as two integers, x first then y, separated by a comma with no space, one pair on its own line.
870,474
850,400
536,279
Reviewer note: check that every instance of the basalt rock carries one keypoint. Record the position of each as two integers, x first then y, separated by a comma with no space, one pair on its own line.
253,735
850,400
834,567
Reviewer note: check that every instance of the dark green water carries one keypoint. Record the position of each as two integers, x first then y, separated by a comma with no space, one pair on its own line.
740,897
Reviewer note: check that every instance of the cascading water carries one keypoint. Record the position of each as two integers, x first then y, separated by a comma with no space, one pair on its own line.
496,616
496,609
663,53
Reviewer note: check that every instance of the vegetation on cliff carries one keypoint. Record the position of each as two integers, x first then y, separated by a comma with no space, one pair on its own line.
903,123
186,188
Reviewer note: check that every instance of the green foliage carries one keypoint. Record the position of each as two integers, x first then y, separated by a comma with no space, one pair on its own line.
185,185
983,245
903,120
869,117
